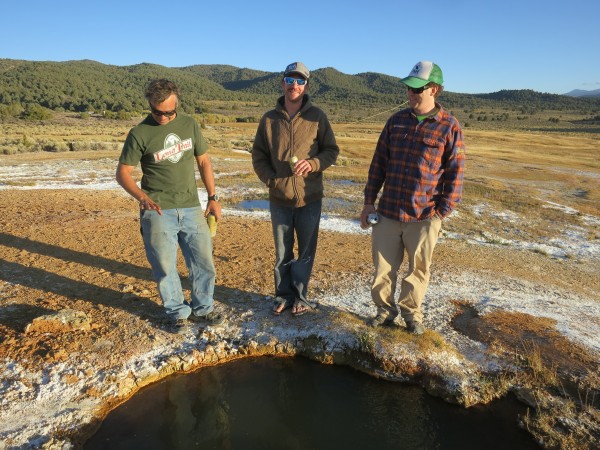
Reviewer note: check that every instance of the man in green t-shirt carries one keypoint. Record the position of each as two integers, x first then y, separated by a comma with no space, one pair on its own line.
166,143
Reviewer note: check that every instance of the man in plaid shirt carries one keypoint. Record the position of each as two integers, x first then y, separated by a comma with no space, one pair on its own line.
419,162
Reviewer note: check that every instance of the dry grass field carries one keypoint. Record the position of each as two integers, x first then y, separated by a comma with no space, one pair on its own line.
521,188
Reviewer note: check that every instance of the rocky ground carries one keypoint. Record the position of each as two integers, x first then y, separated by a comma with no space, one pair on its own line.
82,328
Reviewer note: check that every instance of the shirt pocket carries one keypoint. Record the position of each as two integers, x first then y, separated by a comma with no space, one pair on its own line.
433,150
397,137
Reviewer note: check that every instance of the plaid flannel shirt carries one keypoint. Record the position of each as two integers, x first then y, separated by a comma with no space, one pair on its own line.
420,166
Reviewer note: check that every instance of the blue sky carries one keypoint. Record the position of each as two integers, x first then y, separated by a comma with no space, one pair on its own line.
481,46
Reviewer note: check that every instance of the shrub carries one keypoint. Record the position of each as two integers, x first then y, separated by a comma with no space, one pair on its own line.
248,119
12,110
37,112
52,146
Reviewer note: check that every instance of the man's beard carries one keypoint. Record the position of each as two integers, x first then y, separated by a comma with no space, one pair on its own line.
295,99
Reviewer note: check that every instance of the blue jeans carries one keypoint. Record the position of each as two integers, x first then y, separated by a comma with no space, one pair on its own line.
292,275
186,228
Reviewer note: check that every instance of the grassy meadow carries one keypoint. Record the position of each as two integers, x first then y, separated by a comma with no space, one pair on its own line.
525,184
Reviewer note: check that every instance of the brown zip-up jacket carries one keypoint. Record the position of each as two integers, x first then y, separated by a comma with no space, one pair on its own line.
307,136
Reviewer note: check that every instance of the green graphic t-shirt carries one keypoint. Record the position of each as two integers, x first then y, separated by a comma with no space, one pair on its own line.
167,156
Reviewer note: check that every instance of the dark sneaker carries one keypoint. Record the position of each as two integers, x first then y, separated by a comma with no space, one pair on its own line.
415,327
212,318
382,320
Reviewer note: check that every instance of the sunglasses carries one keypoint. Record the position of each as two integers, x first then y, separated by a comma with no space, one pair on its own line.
290,81
418,90
158,113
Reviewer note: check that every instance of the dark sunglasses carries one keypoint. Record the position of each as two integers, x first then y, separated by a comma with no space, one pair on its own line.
418,90
158,113
290,80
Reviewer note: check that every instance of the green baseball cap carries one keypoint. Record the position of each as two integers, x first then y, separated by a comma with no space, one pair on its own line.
422,73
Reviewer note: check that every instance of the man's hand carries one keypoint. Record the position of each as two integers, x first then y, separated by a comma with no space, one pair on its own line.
148,203
124,177
367,209
214,207
302,168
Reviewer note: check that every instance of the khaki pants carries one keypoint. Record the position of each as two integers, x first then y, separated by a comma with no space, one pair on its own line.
389,240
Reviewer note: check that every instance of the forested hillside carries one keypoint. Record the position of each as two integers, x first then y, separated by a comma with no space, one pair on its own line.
91,86
28,88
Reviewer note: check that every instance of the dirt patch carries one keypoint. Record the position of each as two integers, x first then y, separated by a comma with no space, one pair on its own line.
519,333
82,250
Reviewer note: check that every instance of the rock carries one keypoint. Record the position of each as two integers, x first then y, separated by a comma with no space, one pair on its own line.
63,321
126,288
526,396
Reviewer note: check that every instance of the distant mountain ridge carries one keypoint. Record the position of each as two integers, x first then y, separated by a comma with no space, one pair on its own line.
87,85
583,93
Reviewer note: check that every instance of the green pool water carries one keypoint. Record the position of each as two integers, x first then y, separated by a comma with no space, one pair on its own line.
274,403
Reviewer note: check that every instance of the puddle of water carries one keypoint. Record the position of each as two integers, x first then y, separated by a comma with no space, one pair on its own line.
328,204
333,203
252,205
275,403
345,183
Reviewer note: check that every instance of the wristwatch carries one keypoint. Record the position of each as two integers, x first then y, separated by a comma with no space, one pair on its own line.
213,197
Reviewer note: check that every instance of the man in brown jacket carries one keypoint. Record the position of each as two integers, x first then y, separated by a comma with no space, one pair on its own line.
294,144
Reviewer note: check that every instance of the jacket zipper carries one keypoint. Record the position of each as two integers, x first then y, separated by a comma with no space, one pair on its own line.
294,182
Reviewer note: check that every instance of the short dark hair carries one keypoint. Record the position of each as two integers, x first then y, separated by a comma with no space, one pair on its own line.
159,90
